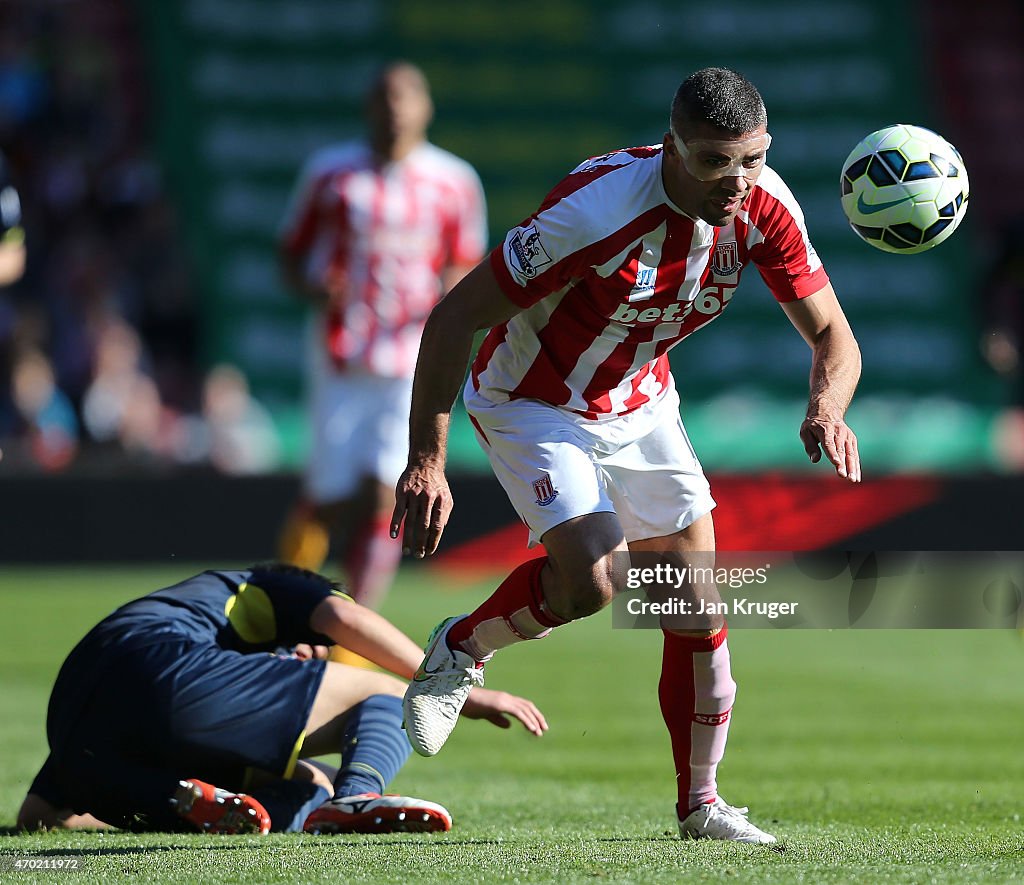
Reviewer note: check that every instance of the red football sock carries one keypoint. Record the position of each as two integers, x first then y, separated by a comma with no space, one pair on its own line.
515,612
696,694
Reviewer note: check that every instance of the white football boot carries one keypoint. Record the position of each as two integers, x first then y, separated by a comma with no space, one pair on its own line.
438,691
719,820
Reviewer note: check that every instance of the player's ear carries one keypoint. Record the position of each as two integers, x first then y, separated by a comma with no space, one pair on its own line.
669,145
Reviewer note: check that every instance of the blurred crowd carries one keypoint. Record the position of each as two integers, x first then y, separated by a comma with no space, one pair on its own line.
99,349
99,337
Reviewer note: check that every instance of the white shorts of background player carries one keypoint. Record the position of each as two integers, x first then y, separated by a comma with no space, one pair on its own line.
360,429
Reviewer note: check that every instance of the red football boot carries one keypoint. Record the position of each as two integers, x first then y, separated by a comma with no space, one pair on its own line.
213,810
374,813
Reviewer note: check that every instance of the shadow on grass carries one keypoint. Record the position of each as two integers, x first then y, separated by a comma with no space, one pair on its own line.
226,842
114,850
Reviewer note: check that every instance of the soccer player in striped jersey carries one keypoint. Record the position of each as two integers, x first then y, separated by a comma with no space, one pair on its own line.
572,399
377,231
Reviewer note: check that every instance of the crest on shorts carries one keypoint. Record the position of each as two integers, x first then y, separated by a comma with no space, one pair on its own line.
726,260
545,491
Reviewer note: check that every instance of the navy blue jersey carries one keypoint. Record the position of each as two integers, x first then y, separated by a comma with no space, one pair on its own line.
180,680
246,611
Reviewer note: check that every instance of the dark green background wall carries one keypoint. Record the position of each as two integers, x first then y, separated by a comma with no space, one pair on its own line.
245,89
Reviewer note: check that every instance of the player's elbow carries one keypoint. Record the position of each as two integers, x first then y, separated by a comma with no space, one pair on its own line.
849,349
446,325
838,338
332,617
37,814
447,313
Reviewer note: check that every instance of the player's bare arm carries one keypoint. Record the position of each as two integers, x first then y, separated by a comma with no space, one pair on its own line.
305,652
36,813
369,634
454,274
497,706
835,370
423,499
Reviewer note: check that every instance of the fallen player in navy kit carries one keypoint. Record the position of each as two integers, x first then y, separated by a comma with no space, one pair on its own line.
191,707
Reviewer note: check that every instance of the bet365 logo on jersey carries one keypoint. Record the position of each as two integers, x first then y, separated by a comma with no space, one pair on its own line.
708,302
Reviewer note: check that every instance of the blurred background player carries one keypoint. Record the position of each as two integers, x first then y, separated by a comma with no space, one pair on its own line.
378,230
573,401
1002,342
189,687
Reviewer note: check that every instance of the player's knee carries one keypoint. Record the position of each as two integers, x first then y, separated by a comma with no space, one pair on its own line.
370,682
343,687
391,686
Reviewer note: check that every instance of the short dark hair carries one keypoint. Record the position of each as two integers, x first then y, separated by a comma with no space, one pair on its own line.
721,97
399,64
285,575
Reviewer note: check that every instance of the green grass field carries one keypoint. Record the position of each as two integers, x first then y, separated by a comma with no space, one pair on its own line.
875,756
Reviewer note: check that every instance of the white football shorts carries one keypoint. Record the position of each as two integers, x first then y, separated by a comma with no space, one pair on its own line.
360,429
555,465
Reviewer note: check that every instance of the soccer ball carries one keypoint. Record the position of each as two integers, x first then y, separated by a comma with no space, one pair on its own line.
904,189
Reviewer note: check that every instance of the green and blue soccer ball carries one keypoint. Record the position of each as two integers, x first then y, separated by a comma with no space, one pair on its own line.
904,189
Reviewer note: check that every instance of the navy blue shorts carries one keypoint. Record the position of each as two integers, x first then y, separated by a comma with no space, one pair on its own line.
192,708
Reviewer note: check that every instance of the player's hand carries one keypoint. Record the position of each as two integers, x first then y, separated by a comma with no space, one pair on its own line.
836,440
1001,351
497,706
424,501
305,652
335,288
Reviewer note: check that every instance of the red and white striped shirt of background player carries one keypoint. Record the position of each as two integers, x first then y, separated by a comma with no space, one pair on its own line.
389,232
612,274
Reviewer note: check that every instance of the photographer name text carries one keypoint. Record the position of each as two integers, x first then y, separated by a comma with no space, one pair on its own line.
770,610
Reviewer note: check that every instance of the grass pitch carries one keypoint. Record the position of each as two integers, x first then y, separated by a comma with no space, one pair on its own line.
875,756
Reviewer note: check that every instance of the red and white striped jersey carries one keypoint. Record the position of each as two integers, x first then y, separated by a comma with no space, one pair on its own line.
611,274
386,232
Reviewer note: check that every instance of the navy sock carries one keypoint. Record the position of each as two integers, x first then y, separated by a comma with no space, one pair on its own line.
373,748
289,803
